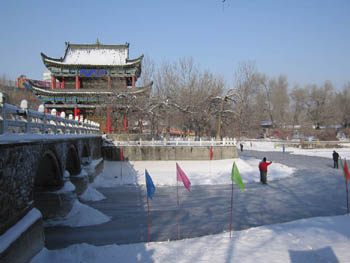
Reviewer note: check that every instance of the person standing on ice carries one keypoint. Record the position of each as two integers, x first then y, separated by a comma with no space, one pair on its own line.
335,159
263,170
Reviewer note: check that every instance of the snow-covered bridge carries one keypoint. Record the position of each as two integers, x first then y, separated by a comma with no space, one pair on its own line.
45,161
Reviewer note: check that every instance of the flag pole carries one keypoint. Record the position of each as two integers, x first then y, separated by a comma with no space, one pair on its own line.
231,210
178,209
211,158
121,165
347,196
149,222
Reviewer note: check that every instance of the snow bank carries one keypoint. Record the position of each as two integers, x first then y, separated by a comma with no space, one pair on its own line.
91,194
163,173
13,233
80,215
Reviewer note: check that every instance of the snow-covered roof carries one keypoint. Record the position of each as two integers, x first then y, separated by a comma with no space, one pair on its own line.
94,54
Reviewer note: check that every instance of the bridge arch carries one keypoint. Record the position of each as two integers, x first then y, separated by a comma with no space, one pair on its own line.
49,173
85,155
73,161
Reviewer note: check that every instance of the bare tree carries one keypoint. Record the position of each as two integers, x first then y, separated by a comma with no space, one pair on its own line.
247,84
187,92
342,106
298,106
318,105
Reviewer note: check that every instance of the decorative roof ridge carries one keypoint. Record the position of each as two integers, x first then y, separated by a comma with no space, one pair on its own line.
96,45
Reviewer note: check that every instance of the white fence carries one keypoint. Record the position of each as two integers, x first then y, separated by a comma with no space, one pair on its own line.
178,142
24,120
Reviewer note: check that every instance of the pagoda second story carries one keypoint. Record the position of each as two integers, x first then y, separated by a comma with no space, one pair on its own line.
93,66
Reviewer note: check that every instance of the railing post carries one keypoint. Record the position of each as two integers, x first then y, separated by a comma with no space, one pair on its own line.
76,126
54,121
3,124
71,129
64,122
24,106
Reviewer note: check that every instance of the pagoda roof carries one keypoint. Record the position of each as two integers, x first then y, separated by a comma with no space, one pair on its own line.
92,55
86,92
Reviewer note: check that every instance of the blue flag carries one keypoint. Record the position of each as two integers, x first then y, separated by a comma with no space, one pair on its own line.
149,185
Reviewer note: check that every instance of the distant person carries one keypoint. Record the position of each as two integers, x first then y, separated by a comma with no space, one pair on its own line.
335,159
263,170
241,147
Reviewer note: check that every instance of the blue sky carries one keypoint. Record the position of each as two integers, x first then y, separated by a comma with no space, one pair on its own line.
306,40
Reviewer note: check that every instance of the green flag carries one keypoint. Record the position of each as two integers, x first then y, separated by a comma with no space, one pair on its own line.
236,177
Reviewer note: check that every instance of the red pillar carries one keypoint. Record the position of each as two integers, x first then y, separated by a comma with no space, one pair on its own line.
133,81
53,82
109,82
62,82
77,82
76,112
125,86
109,122
125,123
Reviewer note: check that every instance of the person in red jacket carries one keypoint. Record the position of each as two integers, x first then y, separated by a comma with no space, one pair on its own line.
263,170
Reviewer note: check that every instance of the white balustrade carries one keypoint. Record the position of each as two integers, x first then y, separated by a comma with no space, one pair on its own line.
25,120
177,142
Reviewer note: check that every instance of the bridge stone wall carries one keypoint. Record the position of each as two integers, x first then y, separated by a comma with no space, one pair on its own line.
27,167
146,153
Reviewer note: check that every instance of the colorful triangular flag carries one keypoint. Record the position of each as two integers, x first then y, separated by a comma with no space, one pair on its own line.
181,177
346,171
236,177
149,185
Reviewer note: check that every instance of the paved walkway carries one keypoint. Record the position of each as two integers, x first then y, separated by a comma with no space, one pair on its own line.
316,189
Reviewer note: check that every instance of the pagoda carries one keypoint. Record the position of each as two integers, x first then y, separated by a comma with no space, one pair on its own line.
86,76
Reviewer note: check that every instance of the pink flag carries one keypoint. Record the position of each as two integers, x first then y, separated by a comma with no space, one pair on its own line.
346,171
181,177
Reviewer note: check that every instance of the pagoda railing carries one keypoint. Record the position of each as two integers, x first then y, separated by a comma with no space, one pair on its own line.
22,120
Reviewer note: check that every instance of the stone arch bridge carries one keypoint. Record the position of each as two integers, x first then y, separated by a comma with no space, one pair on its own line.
35,172
42,157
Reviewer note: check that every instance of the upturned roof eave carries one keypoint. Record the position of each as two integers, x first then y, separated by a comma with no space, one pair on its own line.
48,61
47,92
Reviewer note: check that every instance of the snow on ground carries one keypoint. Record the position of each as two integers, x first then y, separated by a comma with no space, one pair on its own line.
343,152
321,239
163,173
269,146
80,215
91,194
